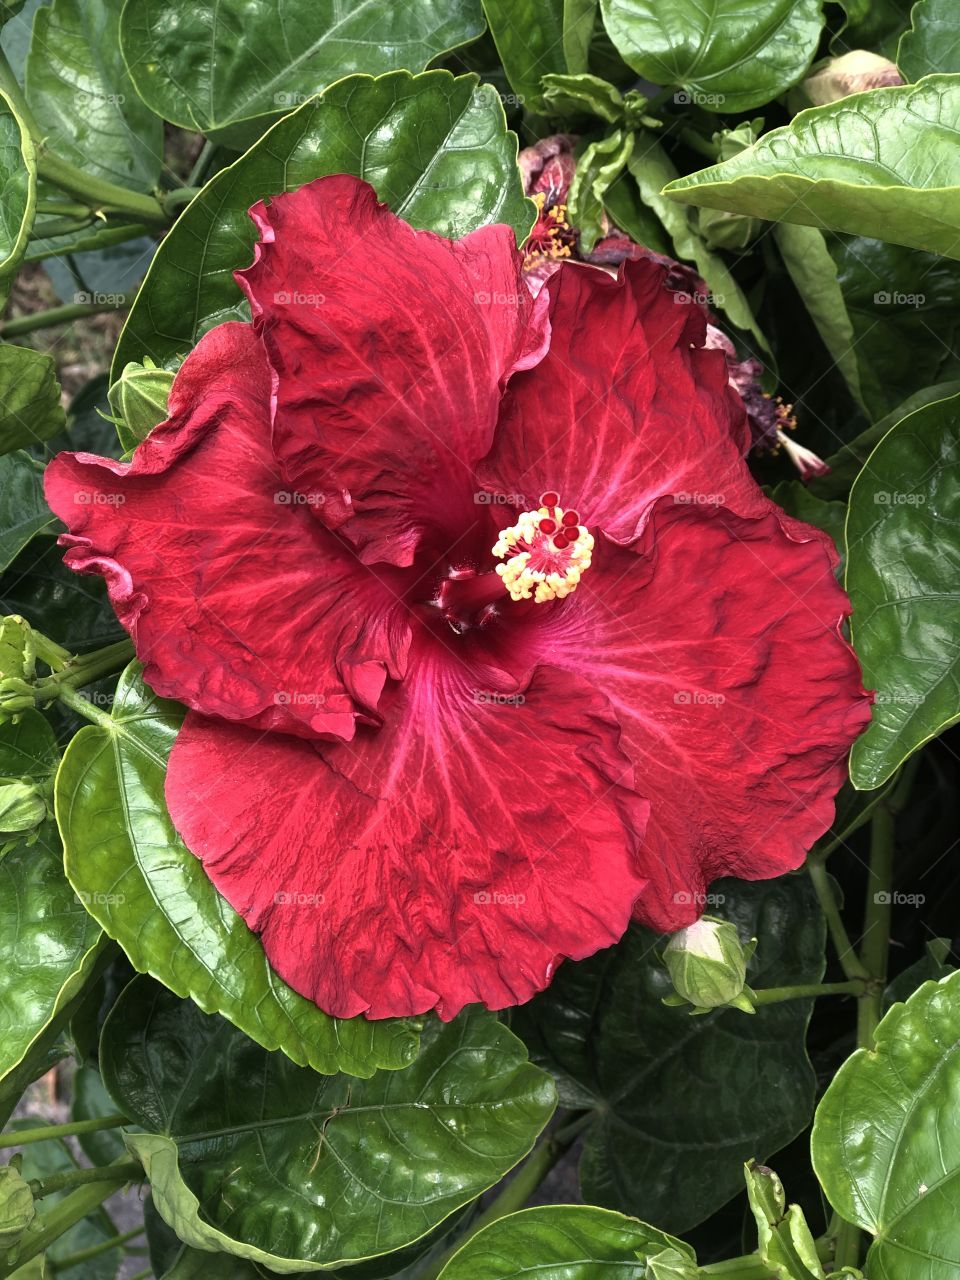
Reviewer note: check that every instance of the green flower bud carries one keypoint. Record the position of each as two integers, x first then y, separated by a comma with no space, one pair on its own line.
707,964
17,1210
720,229
16,649
139,400
23,804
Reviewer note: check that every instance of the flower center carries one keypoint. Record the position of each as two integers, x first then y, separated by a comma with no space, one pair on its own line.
544,553
552,236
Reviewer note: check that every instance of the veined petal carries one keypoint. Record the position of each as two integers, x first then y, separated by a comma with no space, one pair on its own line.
240,604
626,406
390,349
718,642
453,856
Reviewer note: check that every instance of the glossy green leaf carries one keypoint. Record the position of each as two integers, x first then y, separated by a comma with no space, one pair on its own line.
579,21
903,555
904,307
933,41
884,163
529,35
563,1242
70,609
83,98
435,147
23,511
209,64
681,1102
249,1154
846,464
150,894
725,57
885,1144
653,169
49,945
18,195
814,274
30,410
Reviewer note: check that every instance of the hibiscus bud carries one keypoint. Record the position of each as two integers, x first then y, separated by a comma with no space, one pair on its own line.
22,804
139,398
854,72
17,1210
707,964
16,649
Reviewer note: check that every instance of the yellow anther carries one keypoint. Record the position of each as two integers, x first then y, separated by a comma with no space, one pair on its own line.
542,565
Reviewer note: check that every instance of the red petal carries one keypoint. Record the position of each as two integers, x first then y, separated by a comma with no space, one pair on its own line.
625,407
240,605
391,348
455,855
717,641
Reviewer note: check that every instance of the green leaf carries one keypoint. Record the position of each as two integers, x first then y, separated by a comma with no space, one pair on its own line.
562,1242
885,1145
681,1102
18,193
49,946
904,306
579,20
83,98
529,35
575,96
249,1154
125,859
23,511
786,1244
726,58
845,465
210,64
931,967
61,604
435,147
653,169
30,410
598,168
884,164
933,41
902,559
814,273
92,1102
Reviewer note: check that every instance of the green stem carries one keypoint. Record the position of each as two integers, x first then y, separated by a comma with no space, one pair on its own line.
850,963
94,192
50,228
875,948
847,1248
196,174
703,146
775,995
143,1275
513,1197
11,87
43,1134
749,1267
96,238
94,1251
59,315
65,208
99,194
51,1225
125,1170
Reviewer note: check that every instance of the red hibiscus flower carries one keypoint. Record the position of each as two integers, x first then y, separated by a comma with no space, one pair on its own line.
490,639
